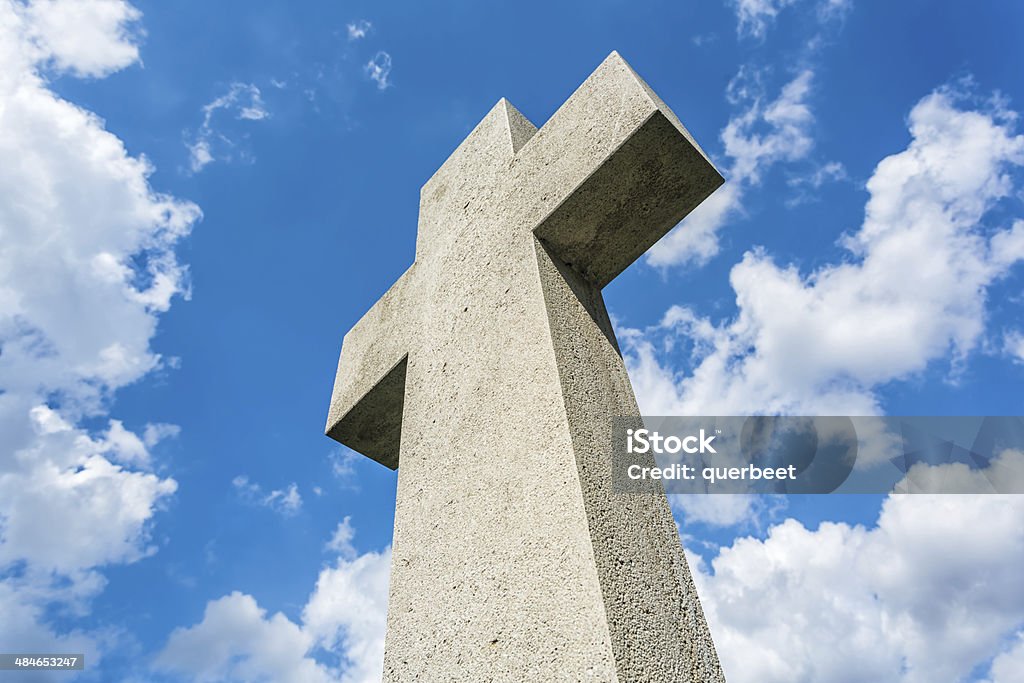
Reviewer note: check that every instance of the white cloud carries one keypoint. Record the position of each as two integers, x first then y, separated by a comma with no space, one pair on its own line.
1004,474
704,39
358,29
819,343
760,136
834,9
829,172
755,17
378,70
242,100
716,510
157,432
695,239
788,119
341,540
199,155
929,594
343,466
345,614
23,603
101,510
84,37
1008,667
825,173
125,446
285,501
87,264
1013,344
237,641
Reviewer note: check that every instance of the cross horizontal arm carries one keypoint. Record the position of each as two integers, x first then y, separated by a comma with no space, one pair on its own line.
369,388
632,172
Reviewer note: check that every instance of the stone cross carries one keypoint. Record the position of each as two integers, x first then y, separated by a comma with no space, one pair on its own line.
488,374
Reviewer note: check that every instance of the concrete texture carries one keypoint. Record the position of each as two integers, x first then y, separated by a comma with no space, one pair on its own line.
490,373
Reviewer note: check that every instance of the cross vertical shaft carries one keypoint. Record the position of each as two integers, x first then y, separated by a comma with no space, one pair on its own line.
489,375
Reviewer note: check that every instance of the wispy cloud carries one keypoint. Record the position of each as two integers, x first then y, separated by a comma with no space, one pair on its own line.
806,184
755,17
826,173
341,540
244,102
285,501
378,70
343,466
358,29
1013,345
760,135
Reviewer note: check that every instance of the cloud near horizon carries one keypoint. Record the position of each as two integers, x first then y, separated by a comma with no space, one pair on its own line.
345,615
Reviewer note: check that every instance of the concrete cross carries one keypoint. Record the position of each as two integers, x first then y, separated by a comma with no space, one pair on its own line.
489,374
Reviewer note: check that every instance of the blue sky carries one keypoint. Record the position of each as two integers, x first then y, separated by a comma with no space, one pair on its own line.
197,201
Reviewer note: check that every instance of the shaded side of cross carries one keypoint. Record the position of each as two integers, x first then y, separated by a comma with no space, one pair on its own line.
490,372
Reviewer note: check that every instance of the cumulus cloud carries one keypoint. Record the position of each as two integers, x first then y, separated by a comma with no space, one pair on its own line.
92,38
358,29
1008,667
1004,474
237,640
286,501
87,265
911,292
345,614
102,510
378,70
929,594
243,102
761,135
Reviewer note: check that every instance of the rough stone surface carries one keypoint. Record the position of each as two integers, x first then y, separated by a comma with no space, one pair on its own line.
490,373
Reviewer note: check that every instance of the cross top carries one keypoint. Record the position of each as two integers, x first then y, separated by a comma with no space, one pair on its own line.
606,177
490,372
